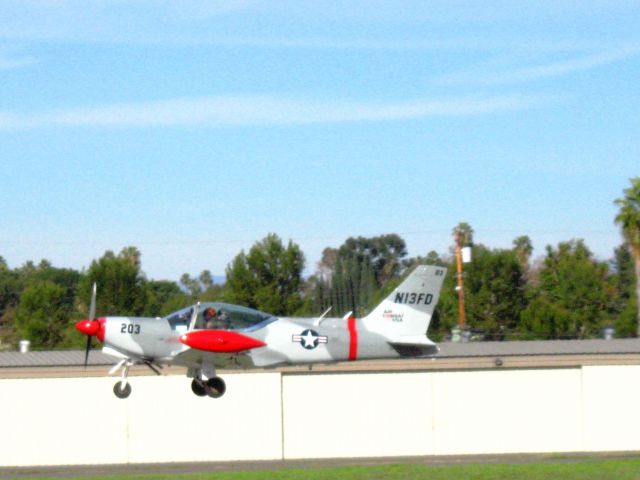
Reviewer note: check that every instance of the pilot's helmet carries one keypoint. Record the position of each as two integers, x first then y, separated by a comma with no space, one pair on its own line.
210,312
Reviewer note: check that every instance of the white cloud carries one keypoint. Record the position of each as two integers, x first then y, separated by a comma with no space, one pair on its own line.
14,63
537,72
246,110
117,21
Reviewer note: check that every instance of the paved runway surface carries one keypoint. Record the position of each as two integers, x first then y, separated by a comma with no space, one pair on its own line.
396,365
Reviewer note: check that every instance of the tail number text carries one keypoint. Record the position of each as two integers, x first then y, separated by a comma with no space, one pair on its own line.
414,298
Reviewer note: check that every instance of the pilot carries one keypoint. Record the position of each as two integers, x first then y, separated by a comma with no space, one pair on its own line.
210,317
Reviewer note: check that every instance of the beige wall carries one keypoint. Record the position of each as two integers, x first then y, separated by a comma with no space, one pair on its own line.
611,399
507,411
357,415
274,416
80,421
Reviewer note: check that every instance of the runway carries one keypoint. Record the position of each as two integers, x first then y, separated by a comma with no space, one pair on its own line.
399,365
452,356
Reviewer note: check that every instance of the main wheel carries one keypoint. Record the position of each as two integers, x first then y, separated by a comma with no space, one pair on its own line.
215,387
122,392
198,388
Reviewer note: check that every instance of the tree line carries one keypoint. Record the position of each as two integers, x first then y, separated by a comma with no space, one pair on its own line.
566,293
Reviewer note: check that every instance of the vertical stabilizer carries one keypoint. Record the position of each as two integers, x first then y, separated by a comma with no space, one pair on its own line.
404,316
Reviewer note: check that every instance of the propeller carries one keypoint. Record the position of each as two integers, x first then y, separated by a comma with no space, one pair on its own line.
92,316
90,326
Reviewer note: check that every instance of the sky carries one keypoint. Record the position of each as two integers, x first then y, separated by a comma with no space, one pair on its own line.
191,129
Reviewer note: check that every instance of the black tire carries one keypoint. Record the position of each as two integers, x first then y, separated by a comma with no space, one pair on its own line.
215,387
122,392
198,388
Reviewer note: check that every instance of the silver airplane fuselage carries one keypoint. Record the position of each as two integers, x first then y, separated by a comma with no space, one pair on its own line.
193,336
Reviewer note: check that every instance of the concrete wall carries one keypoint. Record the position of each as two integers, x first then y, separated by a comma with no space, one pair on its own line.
80,421
273,416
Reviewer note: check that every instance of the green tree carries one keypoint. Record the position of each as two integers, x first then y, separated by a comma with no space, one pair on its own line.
350,277
164,297
14,282
202,288
385,254
494,291
122,287
495,294
625,303
573,297
43,314
10,289
523,248
268,278
192,285
206,279
629,220
465,232
432,258
66,278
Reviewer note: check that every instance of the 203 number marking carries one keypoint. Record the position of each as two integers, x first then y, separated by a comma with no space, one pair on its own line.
130,328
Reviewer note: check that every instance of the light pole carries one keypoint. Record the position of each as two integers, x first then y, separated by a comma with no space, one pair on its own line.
460,284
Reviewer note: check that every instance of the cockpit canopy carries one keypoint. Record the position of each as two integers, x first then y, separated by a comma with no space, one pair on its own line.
219,316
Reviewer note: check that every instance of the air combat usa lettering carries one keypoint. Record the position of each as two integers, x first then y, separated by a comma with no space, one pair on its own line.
414,298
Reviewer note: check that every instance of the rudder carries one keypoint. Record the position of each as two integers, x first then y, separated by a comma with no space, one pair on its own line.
404,316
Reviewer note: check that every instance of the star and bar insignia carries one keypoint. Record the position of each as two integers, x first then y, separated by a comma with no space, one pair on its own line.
309,339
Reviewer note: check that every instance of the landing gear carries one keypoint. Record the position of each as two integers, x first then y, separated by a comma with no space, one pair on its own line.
215,387
122,389
198,388
205,382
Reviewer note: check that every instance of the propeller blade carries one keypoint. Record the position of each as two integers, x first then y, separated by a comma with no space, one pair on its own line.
92,307
92,316
86,352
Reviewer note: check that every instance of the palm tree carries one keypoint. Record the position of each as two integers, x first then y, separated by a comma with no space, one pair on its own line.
464,232
629,219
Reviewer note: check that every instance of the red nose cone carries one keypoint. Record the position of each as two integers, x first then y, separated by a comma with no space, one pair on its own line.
88,327
221,341
92,328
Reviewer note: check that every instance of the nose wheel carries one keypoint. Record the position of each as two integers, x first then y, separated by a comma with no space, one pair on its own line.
122,389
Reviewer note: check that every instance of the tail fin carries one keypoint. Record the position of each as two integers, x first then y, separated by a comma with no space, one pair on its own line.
404,316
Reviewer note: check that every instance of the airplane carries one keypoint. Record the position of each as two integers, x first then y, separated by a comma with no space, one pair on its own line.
193,336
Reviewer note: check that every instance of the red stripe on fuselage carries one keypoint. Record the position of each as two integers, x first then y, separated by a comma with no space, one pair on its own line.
353,338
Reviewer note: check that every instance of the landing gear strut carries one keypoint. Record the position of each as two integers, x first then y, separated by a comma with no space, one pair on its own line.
122,389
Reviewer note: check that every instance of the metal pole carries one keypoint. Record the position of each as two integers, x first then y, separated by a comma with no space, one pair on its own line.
460,287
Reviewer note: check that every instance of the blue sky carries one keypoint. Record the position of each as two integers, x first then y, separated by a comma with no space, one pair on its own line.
191,129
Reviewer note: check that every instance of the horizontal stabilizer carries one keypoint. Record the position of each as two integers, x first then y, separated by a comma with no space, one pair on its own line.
415,350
